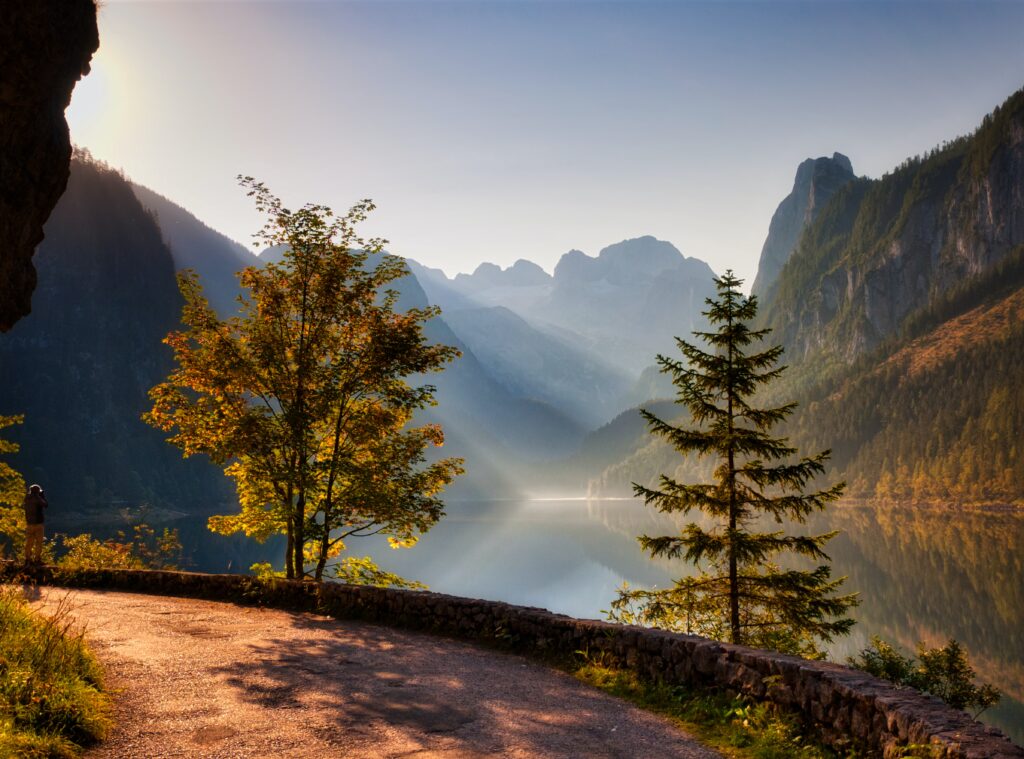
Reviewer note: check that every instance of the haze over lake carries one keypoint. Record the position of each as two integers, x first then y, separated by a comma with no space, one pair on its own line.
922,574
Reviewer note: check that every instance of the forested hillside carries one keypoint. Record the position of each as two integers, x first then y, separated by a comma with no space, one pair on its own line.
935,415
80,365
902,313
883,249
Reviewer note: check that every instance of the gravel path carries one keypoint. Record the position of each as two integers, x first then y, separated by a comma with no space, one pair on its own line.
205,679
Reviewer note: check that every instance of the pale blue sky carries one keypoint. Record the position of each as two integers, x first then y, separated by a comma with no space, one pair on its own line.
491,131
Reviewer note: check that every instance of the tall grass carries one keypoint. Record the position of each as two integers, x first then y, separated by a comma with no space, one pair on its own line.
51,699
736,727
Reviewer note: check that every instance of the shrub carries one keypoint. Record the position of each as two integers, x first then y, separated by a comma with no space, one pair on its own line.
943,672
145,549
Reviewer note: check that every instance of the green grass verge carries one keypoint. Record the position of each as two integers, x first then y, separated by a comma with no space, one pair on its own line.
51,698
736,727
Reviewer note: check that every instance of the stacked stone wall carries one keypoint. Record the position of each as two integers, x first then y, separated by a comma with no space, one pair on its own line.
849,709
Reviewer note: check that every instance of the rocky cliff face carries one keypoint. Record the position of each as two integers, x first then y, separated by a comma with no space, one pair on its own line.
817,180
45,47
886,248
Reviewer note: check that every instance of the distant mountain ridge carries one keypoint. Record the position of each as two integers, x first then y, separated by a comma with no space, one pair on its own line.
194,245
500,430
624,305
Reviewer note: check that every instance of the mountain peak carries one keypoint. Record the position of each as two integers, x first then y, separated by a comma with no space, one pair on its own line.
843,162
816,181
525,273
645,254
522,273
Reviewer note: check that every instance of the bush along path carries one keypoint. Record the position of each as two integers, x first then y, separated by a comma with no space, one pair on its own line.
197,678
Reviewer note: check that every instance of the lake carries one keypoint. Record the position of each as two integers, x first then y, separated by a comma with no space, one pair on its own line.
923,574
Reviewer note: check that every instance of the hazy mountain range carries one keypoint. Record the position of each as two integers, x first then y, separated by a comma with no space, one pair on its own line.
623,305
900,302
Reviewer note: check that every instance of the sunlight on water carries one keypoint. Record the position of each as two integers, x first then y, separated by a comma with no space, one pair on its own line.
922,574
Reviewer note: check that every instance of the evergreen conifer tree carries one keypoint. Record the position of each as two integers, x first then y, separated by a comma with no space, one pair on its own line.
739,594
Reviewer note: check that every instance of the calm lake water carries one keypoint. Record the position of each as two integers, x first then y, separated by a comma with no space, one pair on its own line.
923,575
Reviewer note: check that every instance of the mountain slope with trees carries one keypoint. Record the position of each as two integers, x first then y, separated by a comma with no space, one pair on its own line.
884,248
193,245
79,366
900,312
902,307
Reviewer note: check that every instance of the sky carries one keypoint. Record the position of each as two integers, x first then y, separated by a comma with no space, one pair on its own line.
487,130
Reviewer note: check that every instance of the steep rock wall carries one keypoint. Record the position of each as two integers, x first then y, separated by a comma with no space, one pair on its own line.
817,180
885,248
45,48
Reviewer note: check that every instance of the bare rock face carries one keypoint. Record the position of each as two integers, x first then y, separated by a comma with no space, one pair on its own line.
883,249
817,180
45,48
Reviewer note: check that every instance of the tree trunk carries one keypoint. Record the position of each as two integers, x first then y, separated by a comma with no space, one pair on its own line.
300,537
288,569
734,585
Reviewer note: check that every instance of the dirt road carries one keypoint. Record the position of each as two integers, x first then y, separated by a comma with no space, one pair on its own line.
204,679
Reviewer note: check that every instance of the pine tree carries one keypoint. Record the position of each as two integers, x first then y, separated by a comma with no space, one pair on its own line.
739,593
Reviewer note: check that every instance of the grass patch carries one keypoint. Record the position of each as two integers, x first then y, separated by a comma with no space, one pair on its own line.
735,726
51,699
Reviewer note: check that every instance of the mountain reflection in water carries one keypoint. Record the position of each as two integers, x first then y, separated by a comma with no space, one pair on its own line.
923,574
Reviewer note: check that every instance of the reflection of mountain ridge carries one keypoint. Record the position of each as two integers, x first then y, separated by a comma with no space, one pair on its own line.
973,564
921,577
924,576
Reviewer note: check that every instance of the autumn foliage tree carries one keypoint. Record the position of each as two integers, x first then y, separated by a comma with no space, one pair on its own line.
12,491
305,395
739,592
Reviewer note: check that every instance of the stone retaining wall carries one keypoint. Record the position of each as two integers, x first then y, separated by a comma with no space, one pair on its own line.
848,708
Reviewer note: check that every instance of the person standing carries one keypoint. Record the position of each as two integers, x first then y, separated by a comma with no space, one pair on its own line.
35,508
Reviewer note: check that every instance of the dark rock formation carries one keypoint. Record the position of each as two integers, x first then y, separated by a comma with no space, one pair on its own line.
45,47
817,180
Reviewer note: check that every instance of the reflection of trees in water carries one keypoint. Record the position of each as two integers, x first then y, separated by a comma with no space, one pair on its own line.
923,575
931,575
630,519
